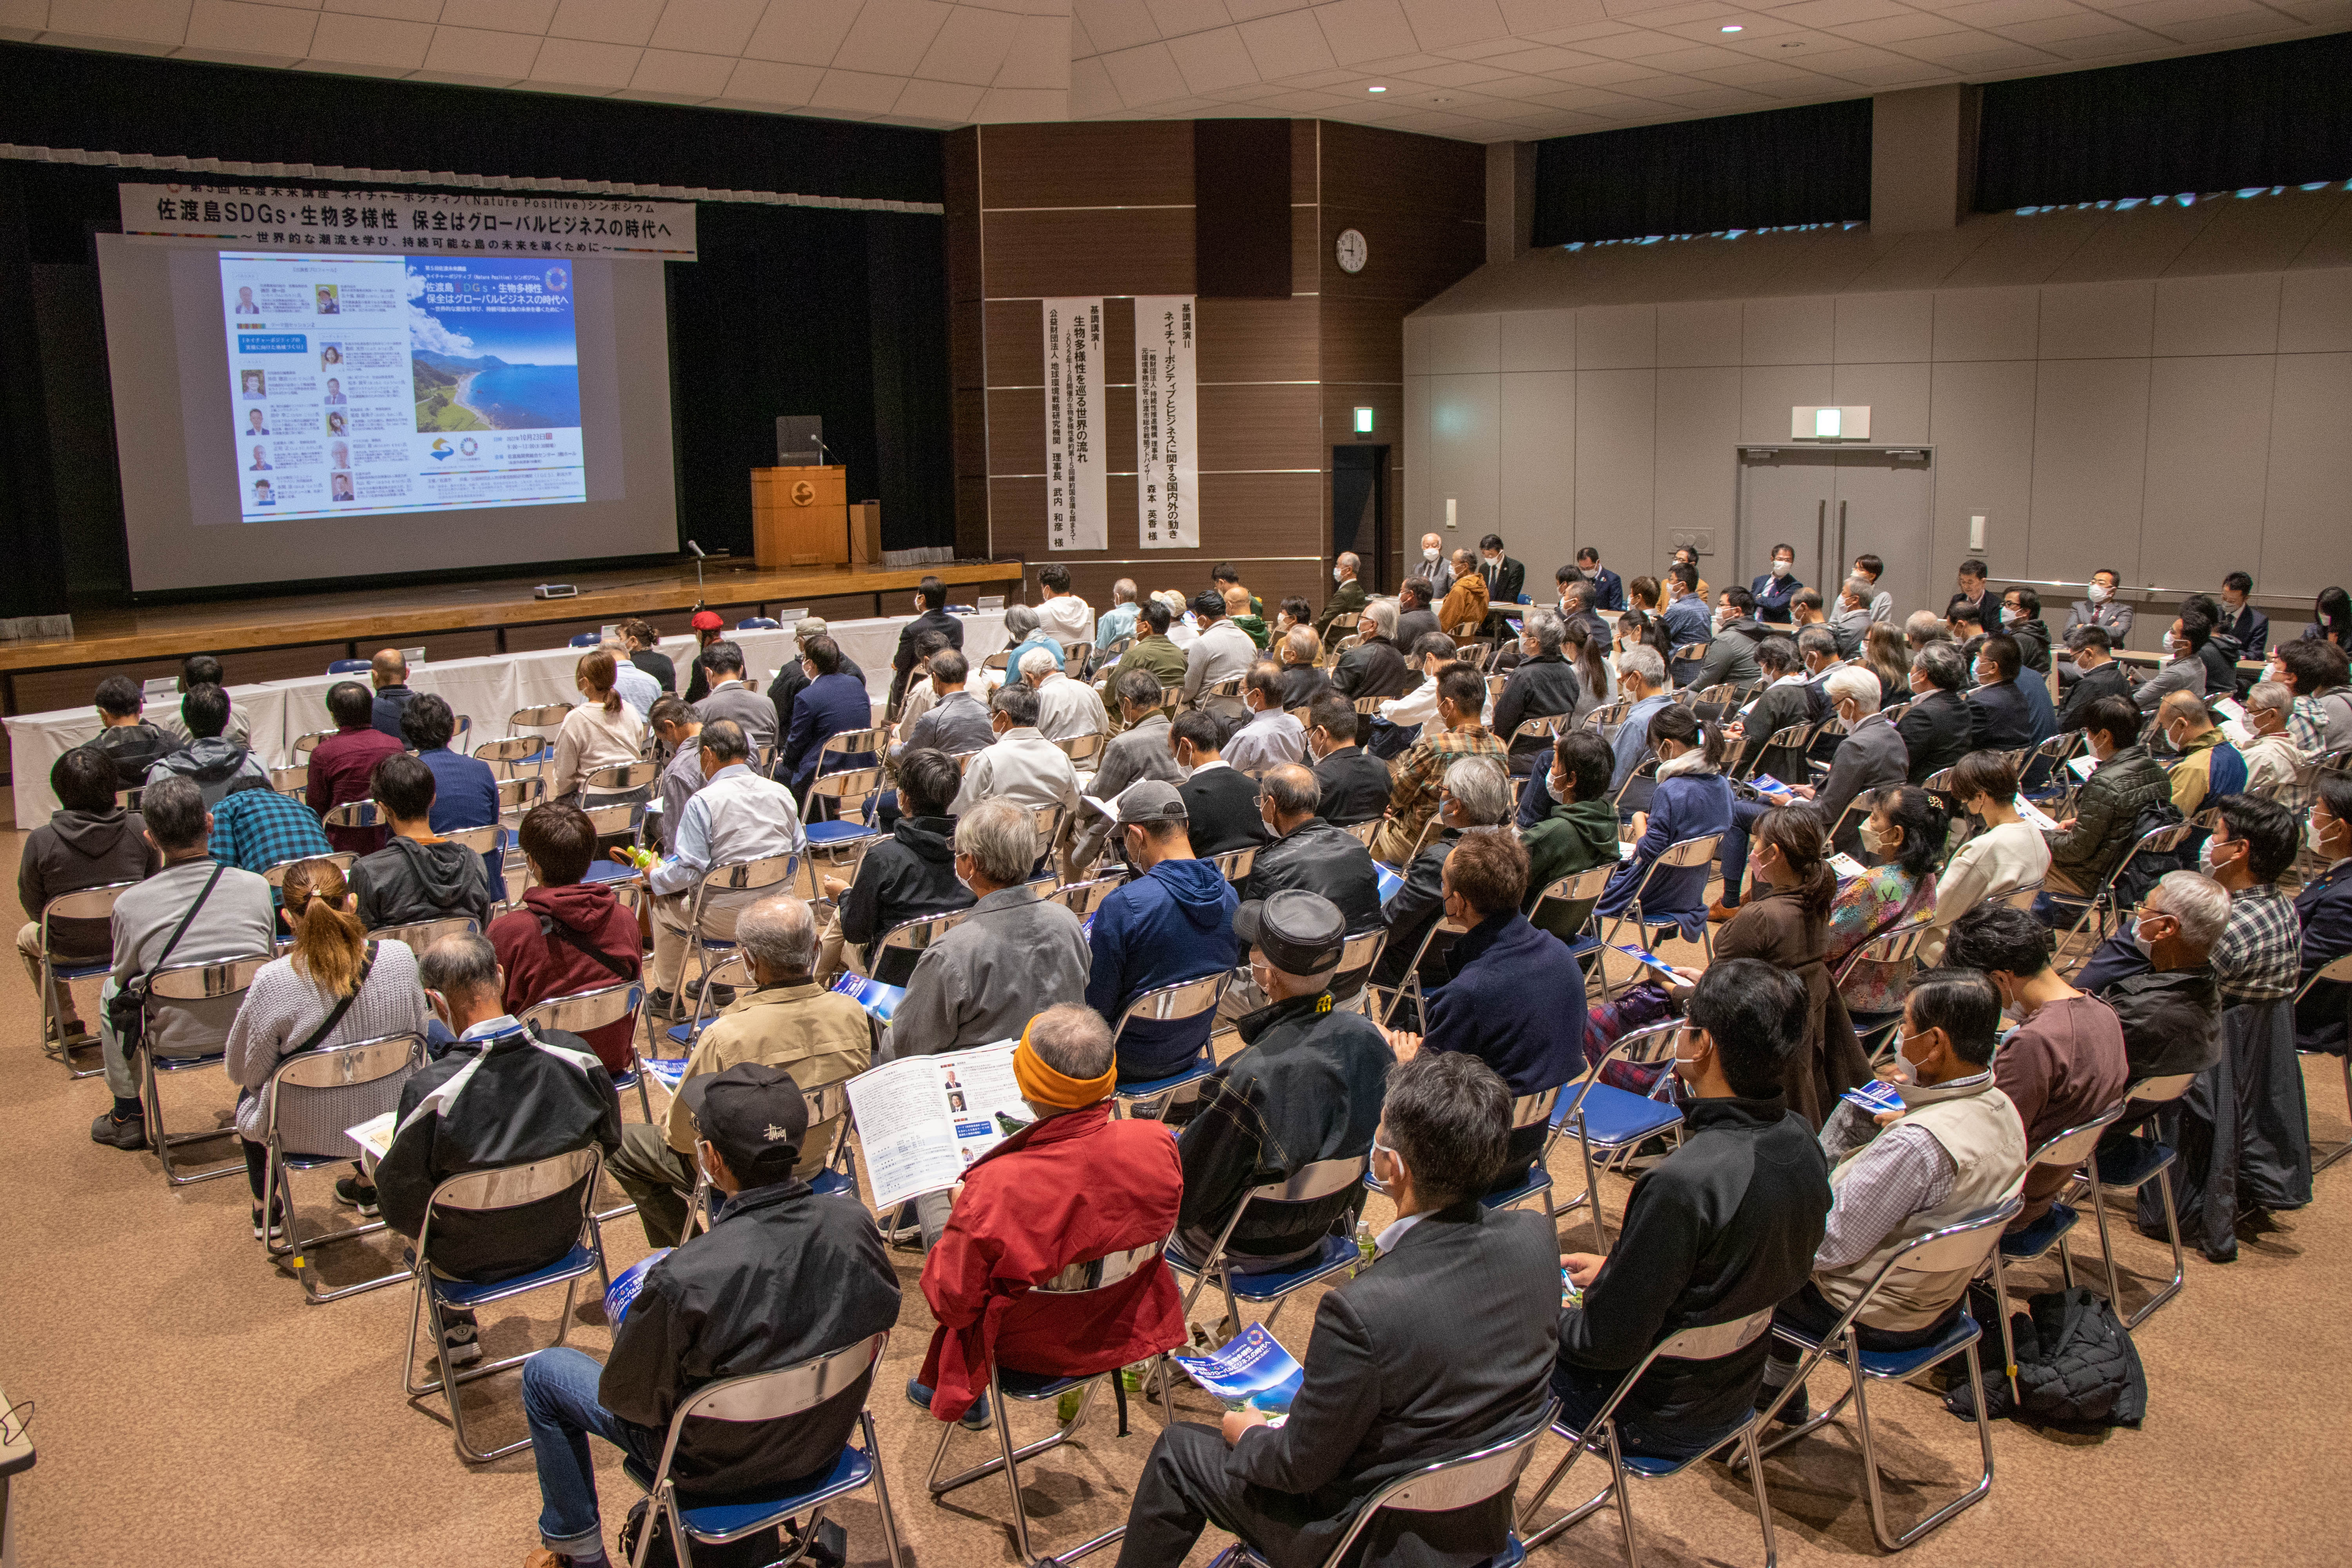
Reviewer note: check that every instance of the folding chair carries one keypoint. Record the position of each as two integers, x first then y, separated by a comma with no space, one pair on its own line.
512,751
2053,756
1453,931
1364,832
583,1011
769,1396
1441,1488
1897,946
1528,1110
1337,1254
1678,857
1795,737
275,875
360,1080
2068,1148
290,781
1707,1342
418,935
1084,749
1370,704
1083,898
305,744
173,990
1538,729
620,778
2157,841
1167,1004
1359,952
1957,1248
2336,971
1229,687
910,938
838,838
1110,1272
1567,905
354,813
86,904
732,877
518,795
2150,1160
1235,865
479,1192
1616,1121
737,964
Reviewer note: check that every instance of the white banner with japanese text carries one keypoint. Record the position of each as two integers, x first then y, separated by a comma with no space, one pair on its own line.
411,221
1077,506
1168,465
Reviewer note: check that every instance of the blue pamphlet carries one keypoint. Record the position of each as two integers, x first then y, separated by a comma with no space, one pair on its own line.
1252,1372
1646,956
668,1072
1874,1097
1390,882
871,994
627,1283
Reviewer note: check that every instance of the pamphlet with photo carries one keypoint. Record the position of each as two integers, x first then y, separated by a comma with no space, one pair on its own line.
922,1120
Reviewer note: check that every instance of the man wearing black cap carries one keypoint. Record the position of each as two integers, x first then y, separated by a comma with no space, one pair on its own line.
782,1276
1306,1086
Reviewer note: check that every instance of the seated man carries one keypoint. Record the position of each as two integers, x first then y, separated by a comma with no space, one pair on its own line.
1957,1148
919,695
254,827
1461,699
1544,685
2100,675
2324,910
1402,721
2275,769
2157,975
1172,922
1067,708
2002,715
1021,766
1141,750
909,876
192,910
1220,800
1724,1227
342,767
419,876
1074,1185
1270,735
1060,614
2208,766
1308,854
1304,1088
125,735
832,704
1118,621
1152,651
388,674
736,815
1352,786
1416,618
1374,667
465,789
89,842
1936,727
1476,793
788,1022
1513,996
2086,845
203,669
1302,682
783,1275
1387,1387
1223,651
2065,1062
210,760
955,720
730,695
569,935
792,676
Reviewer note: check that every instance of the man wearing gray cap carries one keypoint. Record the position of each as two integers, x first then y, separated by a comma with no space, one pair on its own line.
782,1276
1173,922
1306,1086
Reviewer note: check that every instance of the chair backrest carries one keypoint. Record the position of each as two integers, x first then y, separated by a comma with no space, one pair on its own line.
778,1395
290,780
1452,1483
418,935
205,981
2157,1091
1184,999
996,661
1104,1272
511,749
1713,1342
518,795
1690,852
1370,704
2074,1145
1963,1243
741,876
1343,620
1939,782
1535,729
481,840
2021,897
1235,865
1363,832
1319,1180
354,813
275,875
1899,944
1083,898
584,1010
2336,971
918,933
1495,684
1583,887
348,1066
1533,1109
512,1186
848,742
1047,820
620,776
305,744
1637,1047
83,904
849,784
1084,748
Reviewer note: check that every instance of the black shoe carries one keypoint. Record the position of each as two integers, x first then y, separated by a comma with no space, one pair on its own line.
718,995
129,1133
661,1004
277,1223
1795,1412
355,1194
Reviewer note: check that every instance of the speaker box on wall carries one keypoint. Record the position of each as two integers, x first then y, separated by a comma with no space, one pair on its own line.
1240,209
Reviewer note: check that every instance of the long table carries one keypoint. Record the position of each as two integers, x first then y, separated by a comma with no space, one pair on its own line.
486,691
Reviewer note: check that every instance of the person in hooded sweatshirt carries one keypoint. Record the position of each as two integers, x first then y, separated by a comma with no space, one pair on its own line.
1580,831
419,874
1173,922
570,936
210,760
909,876
89,842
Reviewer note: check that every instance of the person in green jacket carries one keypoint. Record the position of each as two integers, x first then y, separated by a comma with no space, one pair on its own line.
1580,830
1150,651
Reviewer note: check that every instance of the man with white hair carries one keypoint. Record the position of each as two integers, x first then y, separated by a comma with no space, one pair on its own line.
1271,735
1067,709
1544,686
1118,621
2157,973
1433,566
1302,682
1021,766
2274,769
1849,621
1872,756
787,1020
1348,597
1923,626
1477,792
1374,667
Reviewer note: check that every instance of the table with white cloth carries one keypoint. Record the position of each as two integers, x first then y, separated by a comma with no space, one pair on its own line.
489,690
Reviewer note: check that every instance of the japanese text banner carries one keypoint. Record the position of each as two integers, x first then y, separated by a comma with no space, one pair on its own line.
1077,506
1168,464
409,221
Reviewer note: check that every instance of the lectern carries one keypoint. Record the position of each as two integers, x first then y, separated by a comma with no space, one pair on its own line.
800,517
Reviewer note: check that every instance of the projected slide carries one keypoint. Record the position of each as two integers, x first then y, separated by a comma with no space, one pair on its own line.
367,383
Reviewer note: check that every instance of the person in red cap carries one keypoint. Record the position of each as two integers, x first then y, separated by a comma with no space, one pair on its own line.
708,627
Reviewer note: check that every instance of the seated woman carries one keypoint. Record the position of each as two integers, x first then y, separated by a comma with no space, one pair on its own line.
335,988
2010,854
1596,672
602,732
1691,800
1905,833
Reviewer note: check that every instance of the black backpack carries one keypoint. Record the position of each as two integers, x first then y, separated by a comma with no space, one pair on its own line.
2076,1364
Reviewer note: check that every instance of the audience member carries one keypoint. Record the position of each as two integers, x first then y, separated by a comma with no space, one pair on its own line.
2007,854
783,1275
1220,801
1306,853
1302,681
1580,831
1225,651
832,704
1642,685
1067,708
1141,750
2101,608
921,690
214,763
1774,591
125,735
956,720
1903,832
730,695
2100,674
1544,686
1060,614
637,689
1475,793
1270,735
1416,618
465,789
2158,977
254,827
1151,652
645,652
787,1022
1353,786
1691,799
1851,621
676,728
735,816
419,874
193,910
792,679
909,876
931,617
2275,770
2184,666
1245,609
1118,621
1373,666
1975,593
1021,767
2216,653
2208,766
1171,922
708,629
1731,655
1871,755
388,674
1463,614
2002,714
1724,1227
1937,729
90,841
1957,1148
2324,912
602,732
1346,594
1686,619
203,669
1888,656
1461,700
2086,845
2020,620
569,935
1413,714
2315,671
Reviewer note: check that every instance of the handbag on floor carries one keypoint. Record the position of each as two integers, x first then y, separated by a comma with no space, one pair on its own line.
2076,1364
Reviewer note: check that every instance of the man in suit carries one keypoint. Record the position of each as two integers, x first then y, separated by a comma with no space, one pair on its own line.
1434,568
2324,909
1774,590
1353,785
1935,728
1870,757
2100,675
1348,596
1974,590
1416,618
1220,801
731,697
1506,578
2002,717
2240,621
1374,667
930,616
833,704
791,677
1387,1386
1608,588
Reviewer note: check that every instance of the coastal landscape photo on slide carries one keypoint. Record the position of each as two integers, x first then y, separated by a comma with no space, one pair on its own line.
369,385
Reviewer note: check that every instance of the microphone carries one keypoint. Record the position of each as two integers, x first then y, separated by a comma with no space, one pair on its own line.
696,548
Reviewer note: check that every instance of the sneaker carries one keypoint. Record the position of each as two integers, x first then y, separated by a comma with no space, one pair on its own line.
974,1419
720,995
459,1340
354,1193
276,1225
129,1133
661,1004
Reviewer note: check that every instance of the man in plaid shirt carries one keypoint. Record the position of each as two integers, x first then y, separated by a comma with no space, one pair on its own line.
1461,707
2260,954
254,827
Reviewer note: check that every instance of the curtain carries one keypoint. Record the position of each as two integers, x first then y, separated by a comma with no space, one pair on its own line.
1695,176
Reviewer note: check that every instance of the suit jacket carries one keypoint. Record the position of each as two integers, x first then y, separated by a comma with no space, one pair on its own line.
1871,756
1355,786
1373,668
832,704
2251,627
1609,590
903,660
1345,597
2001,718
1414,625
2325,910
1937,732
1506,579
2107,681
1387,1389
1222,803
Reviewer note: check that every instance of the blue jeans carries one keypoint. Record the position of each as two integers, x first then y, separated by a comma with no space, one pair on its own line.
558,1396
1745,814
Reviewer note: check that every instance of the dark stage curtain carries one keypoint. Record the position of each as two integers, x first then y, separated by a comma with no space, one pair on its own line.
2278,115
1745,170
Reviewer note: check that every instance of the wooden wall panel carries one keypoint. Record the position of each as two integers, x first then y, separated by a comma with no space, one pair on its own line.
1124,163
1254,514
1256,340
1363,340
1414,254
1126,250
1261,426
1119,347
1016,430
970,432
1016,339
967,353
1363,166
961,163
1306,152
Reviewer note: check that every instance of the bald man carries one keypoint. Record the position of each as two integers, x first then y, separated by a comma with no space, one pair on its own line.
388,672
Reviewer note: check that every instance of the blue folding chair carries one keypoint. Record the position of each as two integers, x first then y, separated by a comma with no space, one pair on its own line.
85,904
348,666
1706,1341
216,986
586,639
1195,998
769,1396
1677,856
1336,1254
2068,1149
358,1082
2143,1158
1616,1121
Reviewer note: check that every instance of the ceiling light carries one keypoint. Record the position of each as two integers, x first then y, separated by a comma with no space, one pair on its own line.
1734,27
1376,89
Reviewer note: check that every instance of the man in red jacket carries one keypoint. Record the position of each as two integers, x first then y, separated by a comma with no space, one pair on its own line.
342,765
1072,1187
570,936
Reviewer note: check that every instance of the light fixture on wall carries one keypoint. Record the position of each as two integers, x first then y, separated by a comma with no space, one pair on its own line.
1376,89
1363,421
1836,422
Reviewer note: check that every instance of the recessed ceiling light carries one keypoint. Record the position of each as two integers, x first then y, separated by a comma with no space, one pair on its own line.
1734,27
1376,89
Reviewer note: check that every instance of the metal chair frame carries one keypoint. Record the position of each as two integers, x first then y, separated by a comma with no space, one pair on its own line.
2069,1147
509,752
418,935
291,779
1084,749
204,980
729,877
2092,1186
275,875
503,1187
2102,902
1676,857
84,903
578,1012
616,778
355,814
2336,971
1352,982
351,1066
1083,898
912,936
1638,1048
1899,944
1583,888
1168,1003
1412,980
1235,865
1320,1179
1799,736
305,744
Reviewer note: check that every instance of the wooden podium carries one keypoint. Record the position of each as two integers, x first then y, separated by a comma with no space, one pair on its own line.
800,517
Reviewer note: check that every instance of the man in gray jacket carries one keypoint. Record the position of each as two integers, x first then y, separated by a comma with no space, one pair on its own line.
233,920
733,697
1142,749
1732,655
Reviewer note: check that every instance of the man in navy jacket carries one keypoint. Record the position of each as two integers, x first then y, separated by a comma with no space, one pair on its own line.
832,703
1173,922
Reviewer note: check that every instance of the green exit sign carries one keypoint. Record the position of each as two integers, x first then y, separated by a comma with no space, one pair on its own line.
1363,421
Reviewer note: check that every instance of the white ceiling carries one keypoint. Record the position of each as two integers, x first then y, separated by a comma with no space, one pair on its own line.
1483,70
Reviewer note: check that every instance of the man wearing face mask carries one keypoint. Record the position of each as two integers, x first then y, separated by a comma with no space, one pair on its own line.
1309,854
1476,793
2125,781
1347,592
1688,627
1353,783
1871,756
1956,1148
2097,675
1142,749
1306,1087
1172,922
1375,667
1686,556
1220,800
2101,608
1731,656
2209,765
1506,576
1434,568
2021,617
1723,1227
1776,587
2324,909
1416,618
2159,963
2002,714
2274,769
1270,735
1935,728
2183,670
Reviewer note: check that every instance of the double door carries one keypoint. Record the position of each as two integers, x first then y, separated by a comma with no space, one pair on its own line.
1831,506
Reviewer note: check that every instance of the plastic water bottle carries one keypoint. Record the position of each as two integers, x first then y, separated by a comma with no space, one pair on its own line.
1364,1243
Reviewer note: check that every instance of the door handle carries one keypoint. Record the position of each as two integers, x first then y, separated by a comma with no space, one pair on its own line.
1841,554
1821,527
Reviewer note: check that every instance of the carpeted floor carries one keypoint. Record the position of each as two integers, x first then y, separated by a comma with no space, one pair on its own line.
192,1411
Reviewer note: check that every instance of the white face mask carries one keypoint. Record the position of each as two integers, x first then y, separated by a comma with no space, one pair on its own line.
2010,616
2142,941
1429,556
1779,568
2314,837
1335,575
2205,860
1723,617
1900,1068
2101,593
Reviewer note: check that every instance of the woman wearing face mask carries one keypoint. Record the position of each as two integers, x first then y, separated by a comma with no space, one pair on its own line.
1596,676
602,732
1777,587
2331,618
2006,854
1690,800
1904,835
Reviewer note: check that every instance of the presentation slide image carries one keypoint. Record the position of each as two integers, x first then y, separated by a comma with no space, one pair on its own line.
439,382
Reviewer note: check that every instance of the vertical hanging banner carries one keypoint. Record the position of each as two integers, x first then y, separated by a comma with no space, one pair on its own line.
1077,508
1168,468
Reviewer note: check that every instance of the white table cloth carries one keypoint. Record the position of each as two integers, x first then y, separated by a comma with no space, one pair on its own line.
487,690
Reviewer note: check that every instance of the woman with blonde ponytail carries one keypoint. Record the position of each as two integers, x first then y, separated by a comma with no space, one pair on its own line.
600,734
335,988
